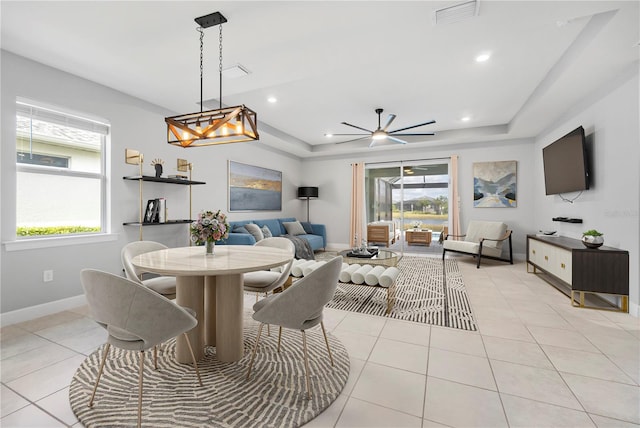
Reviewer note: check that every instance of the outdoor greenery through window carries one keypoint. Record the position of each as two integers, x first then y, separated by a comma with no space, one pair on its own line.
60,167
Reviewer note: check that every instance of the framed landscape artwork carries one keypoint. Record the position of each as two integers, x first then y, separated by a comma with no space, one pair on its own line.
252,188
494,184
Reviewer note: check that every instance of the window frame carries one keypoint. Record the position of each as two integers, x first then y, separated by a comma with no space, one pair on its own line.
65,117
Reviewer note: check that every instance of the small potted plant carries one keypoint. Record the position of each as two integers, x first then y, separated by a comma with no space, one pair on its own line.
592,238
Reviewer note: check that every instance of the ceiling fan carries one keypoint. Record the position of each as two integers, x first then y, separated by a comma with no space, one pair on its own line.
381,132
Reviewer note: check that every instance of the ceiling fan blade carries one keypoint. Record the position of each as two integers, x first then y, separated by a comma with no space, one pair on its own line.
414,135
344,135
350,141
397,140
413,126
389,120
357,127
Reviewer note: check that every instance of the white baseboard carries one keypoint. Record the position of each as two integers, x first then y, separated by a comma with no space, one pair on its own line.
37,311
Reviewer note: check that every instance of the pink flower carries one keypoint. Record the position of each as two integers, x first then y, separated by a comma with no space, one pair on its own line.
209,226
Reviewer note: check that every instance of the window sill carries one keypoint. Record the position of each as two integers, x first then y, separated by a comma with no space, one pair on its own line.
58,241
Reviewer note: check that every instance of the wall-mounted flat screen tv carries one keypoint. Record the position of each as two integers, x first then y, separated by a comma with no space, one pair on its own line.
565,164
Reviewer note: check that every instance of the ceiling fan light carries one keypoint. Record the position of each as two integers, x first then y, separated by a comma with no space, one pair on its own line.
379,135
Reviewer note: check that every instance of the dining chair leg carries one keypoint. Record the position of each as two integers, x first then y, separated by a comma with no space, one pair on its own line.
155,357
255,348
306,364
279,337
195,363
140,382
327,342
104,358
268,325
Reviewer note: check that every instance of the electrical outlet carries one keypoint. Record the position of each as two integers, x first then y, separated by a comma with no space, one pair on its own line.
47,276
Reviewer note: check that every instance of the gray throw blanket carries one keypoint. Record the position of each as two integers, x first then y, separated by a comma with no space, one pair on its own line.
303,248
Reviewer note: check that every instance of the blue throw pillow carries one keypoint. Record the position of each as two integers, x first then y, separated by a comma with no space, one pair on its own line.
239,229
307,227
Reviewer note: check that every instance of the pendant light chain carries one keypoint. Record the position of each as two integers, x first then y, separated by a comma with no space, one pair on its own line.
220,67
201,67
211,126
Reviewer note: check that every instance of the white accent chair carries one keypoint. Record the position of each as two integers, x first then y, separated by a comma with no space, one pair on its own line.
483,239
136,319
299,307
265,281
164,285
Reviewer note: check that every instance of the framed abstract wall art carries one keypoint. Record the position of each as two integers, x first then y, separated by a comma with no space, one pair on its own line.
252,188
495,184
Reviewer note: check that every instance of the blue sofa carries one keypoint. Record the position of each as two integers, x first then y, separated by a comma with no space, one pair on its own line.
317,239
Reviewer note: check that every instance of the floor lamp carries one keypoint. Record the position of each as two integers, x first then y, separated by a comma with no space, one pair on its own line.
307,193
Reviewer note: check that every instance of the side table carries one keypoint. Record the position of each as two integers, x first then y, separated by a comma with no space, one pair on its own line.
418,237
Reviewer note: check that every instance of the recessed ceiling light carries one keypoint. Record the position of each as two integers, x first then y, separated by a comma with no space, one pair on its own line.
465,119
328,135
483,57
272,100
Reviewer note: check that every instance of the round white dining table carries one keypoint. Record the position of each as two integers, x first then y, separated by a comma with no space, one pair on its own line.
213,287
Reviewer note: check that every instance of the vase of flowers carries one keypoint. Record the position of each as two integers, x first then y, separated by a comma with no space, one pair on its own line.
416,224
209,228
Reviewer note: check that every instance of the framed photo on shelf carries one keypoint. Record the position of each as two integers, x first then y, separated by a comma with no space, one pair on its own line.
151,213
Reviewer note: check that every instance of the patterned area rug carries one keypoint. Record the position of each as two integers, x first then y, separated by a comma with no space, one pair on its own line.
274,396
426,291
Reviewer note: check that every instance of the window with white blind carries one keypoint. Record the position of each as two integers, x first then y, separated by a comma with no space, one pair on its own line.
61,172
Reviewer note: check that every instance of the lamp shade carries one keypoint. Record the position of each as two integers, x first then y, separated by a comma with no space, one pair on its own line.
307,192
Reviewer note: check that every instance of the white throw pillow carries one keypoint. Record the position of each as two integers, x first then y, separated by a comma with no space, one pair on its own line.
254,229
266,232
294,228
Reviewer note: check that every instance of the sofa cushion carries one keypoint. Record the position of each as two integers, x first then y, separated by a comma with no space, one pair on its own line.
315,241
471,247
294,228
239,229
254,229
307,227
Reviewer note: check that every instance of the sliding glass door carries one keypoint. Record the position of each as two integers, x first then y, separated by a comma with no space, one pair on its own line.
414,197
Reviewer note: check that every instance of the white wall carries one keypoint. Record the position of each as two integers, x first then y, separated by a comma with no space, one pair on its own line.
611,205
333,205
134,124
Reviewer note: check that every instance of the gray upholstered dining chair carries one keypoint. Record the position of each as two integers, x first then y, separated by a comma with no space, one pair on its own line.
265,281
299,307
135,318
165,285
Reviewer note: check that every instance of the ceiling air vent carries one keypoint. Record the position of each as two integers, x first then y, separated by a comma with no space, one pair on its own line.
456,13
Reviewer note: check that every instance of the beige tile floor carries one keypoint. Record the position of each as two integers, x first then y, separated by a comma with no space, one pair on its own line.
535,361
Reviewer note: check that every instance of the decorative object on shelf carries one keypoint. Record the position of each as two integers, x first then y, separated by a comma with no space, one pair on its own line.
252,188
495,184
592,239
220,126
416,224
208,228
133,157
157,164
307,193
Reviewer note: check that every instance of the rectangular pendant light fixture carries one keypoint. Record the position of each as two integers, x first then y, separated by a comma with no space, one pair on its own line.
220,126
